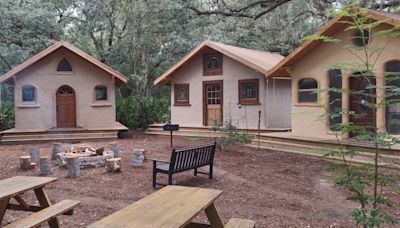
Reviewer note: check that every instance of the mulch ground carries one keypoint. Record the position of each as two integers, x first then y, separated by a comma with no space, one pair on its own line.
275,189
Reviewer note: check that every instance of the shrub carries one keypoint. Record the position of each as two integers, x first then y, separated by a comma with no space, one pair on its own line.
230,135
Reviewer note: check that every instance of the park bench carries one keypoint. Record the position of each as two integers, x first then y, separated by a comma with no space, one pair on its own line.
185,159
240,223
47,214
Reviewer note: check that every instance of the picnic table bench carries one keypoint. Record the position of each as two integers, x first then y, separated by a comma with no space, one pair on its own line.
185,159
46,212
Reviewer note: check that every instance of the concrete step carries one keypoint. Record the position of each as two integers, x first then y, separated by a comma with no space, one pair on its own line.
58,135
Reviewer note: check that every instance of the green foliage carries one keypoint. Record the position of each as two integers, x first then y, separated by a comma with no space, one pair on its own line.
229,135
138,114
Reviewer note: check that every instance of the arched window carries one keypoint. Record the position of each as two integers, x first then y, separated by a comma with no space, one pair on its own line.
100,93
392,78
64,66
212,64
28,93
307,90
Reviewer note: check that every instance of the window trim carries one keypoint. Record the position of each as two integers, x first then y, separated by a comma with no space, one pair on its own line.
95,93
207,72
22,95
64,72
306,90
181,103
244,101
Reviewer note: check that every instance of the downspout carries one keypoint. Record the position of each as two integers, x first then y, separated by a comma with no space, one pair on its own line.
267,104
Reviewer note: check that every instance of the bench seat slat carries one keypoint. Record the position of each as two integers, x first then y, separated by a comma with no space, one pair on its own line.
37,218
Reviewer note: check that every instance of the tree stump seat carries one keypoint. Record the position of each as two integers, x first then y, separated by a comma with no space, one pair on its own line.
26,163
113,165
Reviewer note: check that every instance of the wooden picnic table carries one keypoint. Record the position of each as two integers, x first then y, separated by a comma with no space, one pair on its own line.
171,207
15,186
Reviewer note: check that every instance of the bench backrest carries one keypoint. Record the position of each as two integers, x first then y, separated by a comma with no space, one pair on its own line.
187,158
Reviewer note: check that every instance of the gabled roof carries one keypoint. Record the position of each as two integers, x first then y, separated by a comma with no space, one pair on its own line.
8,76
327,30
261,61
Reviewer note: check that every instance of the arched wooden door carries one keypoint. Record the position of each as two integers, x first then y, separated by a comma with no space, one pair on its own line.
66,107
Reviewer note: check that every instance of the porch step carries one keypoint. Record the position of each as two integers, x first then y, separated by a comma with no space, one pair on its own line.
51,136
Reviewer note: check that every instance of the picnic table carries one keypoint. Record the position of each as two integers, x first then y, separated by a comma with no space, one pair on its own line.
14,187
171,207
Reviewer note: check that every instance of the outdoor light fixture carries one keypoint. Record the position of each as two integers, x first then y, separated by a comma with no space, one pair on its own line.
239,105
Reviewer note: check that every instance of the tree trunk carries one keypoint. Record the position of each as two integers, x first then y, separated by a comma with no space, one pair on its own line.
57,148
115,149
73,163
113,165
35,156
45,166
25,163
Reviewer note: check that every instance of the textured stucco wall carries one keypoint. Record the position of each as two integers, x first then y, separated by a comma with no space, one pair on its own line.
305,116
85,77
233,71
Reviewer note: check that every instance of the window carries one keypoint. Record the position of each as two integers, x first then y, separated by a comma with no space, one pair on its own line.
361,38
392,78
181,93
335,98
28,93
212,64
64,66
307,90
248,92
101,93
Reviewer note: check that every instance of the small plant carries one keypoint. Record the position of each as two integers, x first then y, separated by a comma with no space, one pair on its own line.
229,135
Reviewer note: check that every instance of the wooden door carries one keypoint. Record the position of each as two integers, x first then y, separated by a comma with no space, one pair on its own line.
363,113
66,107
213,101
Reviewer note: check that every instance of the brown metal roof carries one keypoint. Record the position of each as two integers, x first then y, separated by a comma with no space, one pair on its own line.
328,29
7,77
261,61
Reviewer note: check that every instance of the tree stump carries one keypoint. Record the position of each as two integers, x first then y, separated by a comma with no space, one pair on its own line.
115,149
57,148
113,165
73,163
25,163
35,156
45,166
138,157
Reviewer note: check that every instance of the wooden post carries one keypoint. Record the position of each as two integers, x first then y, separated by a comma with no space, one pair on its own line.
115,149
114,165
45,166
57,148
73,163
35,156
25,163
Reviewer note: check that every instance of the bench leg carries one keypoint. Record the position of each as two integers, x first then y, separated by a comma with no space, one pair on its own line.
195,171
45,202
170,179
3,207
210,174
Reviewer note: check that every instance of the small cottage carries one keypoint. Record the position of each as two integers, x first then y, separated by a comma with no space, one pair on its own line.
64,90
307,66
217,83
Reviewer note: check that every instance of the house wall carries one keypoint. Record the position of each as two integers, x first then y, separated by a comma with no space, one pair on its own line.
90,114
306,118
244,117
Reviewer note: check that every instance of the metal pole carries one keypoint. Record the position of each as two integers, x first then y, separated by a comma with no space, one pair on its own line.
259,123
171,138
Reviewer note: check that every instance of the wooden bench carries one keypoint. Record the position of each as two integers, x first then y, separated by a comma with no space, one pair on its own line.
185,159
240,223
37,218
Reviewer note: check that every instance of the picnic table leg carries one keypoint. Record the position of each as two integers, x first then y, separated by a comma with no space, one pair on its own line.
213,217
45,202
3,207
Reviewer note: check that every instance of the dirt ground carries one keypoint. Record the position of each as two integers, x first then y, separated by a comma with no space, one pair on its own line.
275,189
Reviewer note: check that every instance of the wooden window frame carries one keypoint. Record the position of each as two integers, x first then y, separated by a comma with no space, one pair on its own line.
244,101
181,103
207,56
95,92
306,90
35,94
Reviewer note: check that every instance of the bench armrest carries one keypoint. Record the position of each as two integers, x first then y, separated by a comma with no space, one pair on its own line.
159,160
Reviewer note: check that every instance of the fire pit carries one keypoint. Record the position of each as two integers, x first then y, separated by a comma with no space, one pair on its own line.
88,156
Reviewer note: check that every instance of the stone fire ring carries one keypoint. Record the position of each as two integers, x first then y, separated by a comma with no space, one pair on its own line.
87,161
